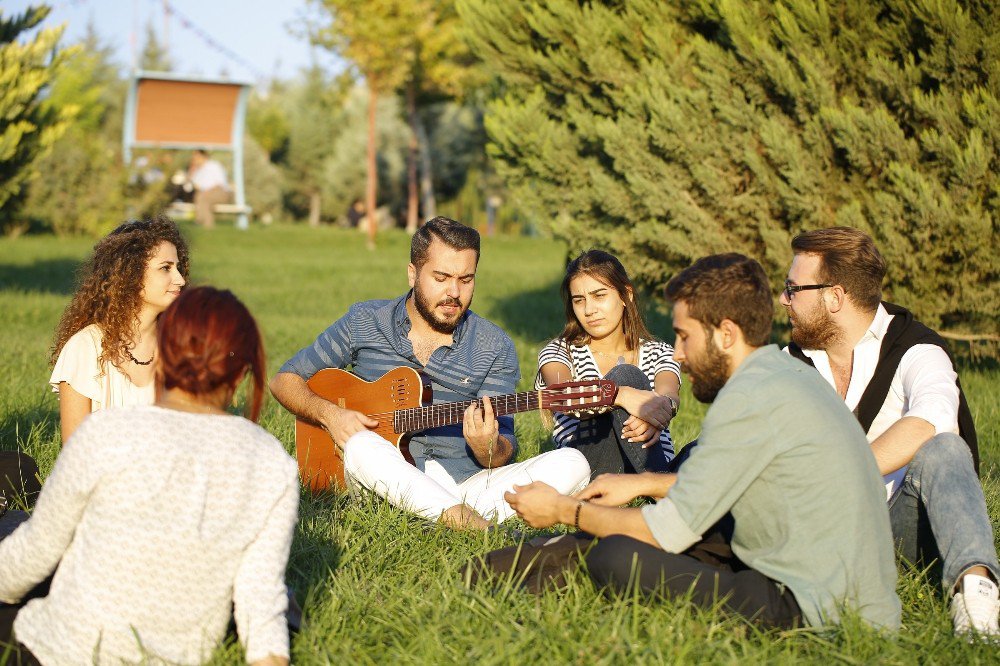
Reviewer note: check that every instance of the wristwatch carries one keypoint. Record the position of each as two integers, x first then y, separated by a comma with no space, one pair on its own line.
673,407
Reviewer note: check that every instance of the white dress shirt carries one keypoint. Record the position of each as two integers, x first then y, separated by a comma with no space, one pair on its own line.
925,383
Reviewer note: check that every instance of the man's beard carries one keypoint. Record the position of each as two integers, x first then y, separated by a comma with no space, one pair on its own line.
437,322
709,372
816,330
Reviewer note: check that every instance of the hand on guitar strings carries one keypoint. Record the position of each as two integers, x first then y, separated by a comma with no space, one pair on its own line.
342,423
482,432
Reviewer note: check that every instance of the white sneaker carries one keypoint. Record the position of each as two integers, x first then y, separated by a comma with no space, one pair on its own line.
975,607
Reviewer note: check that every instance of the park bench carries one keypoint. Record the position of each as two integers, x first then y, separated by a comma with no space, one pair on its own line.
165,111
182,210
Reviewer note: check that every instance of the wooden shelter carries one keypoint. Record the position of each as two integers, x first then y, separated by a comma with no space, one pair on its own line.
168,111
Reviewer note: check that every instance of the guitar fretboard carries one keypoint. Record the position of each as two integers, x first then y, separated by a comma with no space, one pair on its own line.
433,416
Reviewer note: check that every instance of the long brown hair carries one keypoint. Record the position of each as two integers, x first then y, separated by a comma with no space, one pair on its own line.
606,269
207,339
109,291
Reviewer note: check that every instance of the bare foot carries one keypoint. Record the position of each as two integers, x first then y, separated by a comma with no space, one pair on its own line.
464,517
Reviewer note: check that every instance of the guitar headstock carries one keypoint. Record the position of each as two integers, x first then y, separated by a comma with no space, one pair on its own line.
592,397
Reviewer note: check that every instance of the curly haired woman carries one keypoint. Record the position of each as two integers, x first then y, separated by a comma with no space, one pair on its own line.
105,343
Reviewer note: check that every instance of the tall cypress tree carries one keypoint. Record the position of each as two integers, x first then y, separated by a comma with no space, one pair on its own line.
667,130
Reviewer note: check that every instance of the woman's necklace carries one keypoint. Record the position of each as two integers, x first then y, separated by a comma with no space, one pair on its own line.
137,361
622,356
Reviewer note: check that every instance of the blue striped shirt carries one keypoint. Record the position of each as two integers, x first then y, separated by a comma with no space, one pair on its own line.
371,339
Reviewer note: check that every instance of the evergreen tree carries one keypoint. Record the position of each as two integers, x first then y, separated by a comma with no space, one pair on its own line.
376,37
314,110
27,127
154,56
664,131
343,174
267,120
82,189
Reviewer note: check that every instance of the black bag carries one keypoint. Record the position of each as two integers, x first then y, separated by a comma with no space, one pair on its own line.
19,483
534,566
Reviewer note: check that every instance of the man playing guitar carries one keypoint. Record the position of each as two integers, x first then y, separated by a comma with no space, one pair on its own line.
459,472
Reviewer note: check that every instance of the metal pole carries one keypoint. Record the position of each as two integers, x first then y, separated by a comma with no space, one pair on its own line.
242,221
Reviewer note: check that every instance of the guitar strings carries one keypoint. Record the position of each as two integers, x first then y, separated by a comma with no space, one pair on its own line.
465,403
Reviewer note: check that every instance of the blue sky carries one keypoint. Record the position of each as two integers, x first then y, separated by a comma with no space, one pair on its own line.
247,39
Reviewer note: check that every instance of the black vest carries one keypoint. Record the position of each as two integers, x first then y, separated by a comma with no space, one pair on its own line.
904,331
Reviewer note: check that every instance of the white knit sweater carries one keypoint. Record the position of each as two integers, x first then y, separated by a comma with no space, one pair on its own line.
161,523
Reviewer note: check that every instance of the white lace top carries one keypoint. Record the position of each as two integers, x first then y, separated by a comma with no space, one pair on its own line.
162,524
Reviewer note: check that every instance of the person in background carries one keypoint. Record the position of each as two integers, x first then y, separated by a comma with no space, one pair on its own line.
777,449
897,376
210,187
355,213
163,521
605,337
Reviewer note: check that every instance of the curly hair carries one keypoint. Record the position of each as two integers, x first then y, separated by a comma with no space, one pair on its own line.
110,283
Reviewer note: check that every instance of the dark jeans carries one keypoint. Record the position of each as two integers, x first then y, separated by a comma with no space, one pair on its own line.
15,654
705,572
18,654
19,486
19,483
708,571
600,438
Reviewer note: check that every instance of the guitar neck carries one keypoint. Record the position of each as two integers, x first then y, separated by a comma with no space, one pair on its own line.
434,416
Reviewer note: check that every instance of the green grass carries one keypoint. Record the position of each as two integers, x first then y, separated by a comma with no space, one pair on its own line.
378,586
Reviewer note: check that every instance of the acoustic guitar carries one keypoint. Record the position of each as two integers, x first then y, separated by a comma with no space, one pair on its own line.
401,403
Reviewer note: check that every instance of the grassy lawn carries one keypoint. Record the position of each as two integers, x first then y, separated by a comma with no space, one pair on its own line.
381,587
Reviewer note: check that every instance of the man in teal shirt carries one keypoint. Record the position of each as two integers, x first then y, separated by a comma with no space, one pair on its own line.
778,449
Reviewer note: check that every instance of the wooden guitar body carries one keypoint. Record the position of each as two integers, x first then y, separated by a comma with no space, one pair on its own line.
319,459
401,402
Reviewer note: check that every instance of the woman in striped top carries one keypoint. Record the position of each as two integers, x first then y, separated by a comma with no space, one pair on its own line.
605,336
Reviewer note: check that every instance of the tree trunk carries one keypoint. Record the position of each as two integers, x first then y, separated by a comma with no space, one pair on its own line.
426,172
412,202
371,187
314,202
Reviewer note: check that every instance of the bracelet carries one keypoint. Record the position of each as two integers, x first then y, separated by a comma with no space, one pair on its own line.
576,519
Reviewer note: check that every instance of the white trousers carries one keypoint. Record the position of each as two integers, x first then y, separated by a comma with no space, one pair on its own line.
377,465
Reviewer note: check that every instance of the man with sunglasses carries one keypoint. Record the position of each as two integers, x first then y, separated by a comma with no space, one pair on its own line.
897,377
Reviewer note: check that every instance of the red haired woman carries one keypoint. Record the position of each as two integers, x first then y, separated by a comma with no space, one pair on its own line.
161,520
